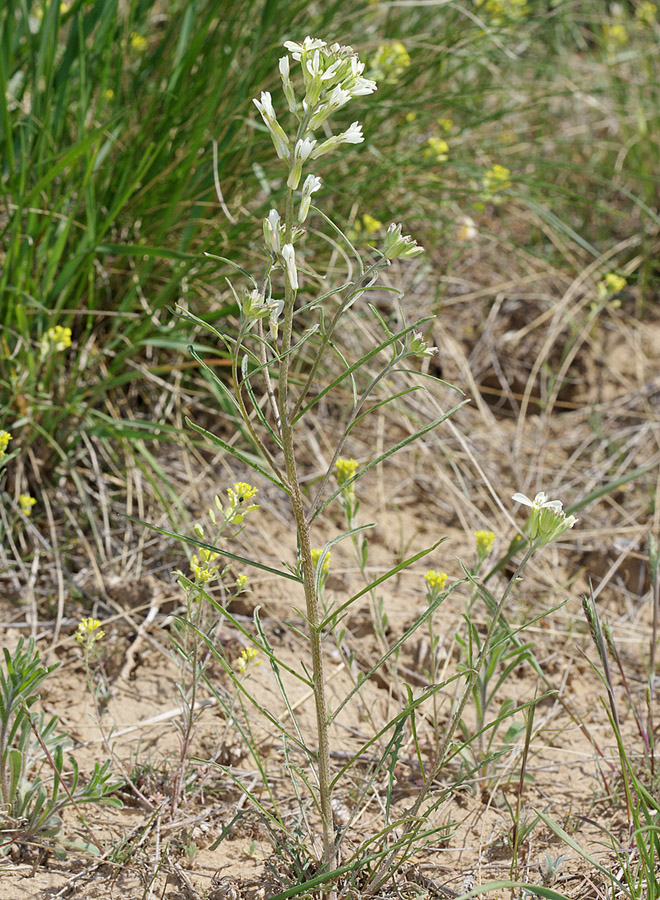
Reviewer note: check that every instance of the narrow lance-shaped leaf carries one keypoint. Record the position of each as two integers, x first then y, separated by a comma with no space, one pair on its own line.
196,543
388,453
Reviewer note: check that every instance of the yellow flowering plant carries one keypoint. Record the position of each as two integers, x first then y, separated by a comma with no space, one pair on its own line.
5,438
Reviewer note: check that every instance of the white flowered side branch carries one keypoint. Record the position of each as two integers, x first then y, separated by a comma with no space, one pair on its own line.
547,521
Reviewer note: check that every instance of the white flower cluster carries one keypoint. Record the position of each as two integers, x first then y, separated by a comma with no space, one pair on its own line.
547,521
331,76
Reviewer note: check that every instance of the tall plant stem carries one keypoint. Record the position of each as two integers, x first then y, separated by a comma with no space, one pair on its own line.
318,679
305,549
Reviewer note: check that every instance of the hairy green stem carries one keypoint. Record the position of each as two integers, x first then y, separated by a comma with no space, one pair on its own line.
303,529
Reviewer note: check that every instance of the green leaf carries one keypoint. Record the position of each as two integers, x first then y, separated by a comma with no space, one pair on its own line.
238,454
395,449
204,546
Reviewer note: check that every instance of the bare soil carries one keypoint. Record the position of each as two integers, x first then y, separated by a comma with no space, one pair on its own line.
560,401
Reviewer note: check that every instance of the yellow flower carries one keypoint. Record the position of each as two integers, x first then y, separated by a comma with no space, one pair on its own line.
345,470
446,124
57,338
202,567
485,542
496,179
247,656
615,35
5,437
138,42
411,116
88,632
499,11
239,505
316,555
438,148
389,62
610,285
371,225
108,94
241,581
26,503
435,580
646,12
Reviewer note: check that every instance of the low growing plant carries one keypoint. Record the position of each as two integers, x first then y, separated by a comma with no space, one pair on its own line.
38,777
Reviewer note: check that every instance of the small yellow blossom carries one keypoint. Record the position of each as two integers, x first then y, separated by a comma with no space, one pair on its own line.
615,35
446,124
202,567
241,581
389,62
411,116
108,94
239,502
88,632
64,8
496,179
316,555
248,655
435,580
57,339
370,224
345,470
485,542
5,437
610,285
26,502
646,13
501,11
438,148
138,42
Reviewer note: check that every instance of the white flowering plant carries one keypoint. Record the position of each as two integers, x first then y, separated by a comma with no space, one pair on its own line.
281,330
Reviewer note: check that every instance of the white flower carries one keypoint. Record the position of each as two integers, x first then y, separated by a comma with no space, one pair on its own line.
276,308
304,148
467,230
289,257
272,231
547,521
419,347
280,140
331,71
307,46
352,135
313,65
398,245
540,501
310,186
301,154
287,84
363,86
355,83
338,98
266,105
